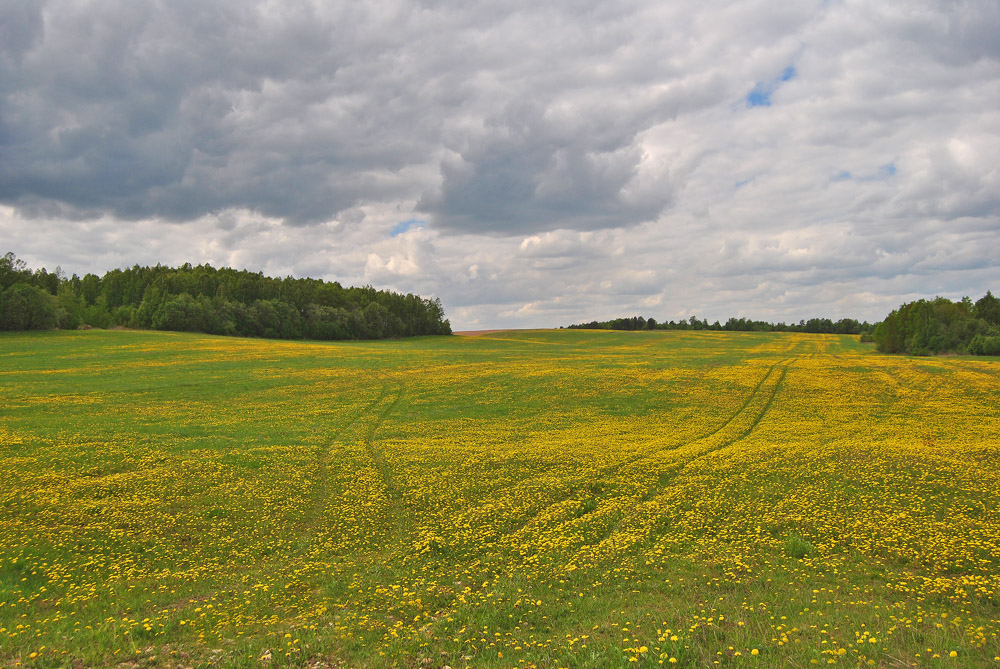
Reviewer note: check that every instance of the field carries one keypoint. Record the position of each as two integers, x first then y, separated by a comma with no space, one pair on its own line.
543,498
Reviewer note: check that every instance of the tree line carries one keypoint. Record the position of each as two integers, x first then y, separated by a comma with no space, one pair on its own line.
214,301
815,325
924,327
928,327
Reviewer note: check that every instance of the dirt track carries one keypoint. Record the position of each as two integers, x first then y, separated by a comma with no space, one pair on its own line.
476,333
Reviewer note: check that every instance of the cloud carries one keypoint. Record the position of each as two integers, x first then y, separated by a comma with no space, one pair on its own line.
178,110
529,163
20,29
526,172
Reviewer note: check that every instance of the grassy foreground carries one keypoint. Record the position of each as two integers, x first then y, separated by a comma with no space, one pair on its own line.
551,498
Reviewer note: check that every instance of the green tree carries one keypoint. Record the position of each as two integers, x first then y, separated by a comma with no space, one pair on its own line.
987,308
27,307
71,306
180,313
985,345
13,270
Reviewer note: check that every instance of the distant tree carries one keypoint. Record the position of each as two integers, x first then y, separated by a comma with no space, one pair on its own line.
847,326
70,305
124,316
180,313
49,282
818,326
985,344
27,307
90,288
927,327
98,314
988,309
13,270
218,301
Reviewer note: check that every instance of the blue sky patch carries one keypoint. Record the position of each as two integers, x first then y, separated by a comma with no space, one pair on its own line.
759,97
882,173
403,226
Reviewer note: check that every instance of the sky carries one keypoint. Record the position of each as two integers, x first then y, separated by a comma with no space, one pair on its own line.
531,164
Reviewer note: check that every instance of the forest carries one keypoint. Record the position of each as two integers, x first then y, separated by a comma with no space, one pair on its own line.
214,301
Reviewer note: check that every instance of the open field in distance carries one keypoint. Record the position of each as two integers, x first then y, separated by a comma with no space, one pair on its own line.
528,498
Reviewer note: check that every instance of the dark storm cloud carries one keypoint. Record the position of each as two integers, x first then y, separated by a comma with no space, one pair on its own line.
526,173
182,108
20,29
299,111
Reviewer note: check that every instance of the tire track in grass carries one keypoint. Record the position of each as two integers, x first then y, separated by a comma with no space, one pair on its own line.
381,410
365,419
375,451
767,406
631,525
612,513
739,427
308,567
735,417
322,488
395,523
631,462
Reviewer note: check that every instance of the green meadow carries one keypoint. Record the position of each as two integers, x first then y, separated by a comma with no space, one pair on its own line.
520,499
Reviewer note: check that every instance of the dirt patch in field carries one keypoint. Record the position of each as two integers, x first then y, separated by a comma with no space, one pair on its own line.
477,333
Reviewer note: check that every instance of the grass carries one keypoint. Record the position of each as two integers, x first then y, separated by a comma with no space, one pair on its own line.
549,498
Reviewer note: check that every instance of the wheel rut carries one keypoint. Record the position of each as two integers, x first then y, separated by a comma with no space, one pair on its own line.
736,427
387,403
634,525
367,419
